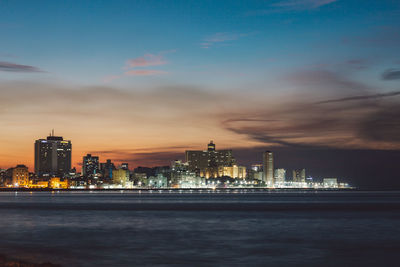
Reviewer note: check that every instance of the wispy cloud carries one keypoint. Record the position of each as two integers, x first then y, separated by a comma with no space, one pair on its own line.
302,4
13,67
221,37
146,61
391,74
291,6
360,97
138,66
144,72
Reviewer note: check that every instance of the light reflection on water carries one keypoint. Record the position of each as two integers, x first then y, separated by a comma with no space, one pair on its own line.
114,229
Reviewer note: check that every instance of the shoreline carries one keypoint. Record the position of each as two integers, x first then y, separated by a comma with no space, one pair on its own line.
12,262
190,190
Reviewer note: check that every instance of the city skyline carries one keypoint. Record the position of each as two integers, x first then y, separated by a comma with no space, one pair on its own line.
140,82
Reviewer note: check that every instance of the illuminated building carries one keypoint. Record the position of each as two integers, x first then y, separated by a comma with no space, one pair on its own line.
39,184
124,166
120,177
57,183
268,166
20,176
52,156
107,168
2,177
206,163
256,167
330,182
140,179
255,172
299,176
90,165
232,171
179,171
280,176
160,181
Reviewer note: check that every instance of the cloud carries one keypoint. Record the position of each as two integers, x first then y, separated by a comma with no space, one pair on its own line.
142,158
391,74
144,72
361,97
146,61
221,37
300,121
324,83
132,65
291,6
382,125
13,67
302,4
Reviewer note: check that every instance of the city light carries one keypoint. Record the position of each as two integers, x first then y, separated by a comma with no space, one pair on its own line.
209,168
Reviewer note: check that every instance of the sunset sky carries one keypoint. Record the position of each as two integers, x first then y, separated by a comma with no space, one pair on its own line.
141,81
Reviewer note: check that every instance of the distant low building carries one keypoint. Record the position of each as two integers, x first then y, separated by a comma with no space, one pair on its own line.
140,179
330,182
299,176
232,171
120,177
20,176
160,181
57,183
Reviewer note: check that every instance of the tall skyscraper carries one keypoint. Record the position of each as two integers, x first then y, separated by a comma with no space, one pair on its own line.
52,156
90,165
268,165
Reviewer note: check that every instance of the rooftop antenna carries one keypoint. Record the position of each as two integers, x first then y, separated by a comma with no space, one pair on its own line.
52,132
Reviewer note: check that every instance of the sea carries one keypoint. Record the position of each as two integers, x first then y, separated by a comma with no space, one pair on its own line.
202,228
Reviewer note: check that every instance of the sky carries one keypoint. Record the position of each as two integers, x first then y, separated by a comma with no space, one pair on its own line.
316,81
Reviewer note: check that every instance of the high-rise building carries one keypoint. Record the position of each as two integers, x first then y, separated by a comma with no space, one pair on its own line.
206,163
20,176
299,176
106,169
52,156
90,165
280,176
268,165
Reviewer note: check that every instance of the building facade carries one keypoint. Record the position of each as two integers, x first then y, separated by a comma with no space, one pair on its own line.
20,176
299,176
268,166
232,171
90,165
107,168
280,176
120,177
206,163
52,156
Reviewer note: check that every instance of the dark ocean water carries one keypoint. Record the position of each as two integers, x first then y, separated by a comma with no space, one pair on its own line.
256,229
